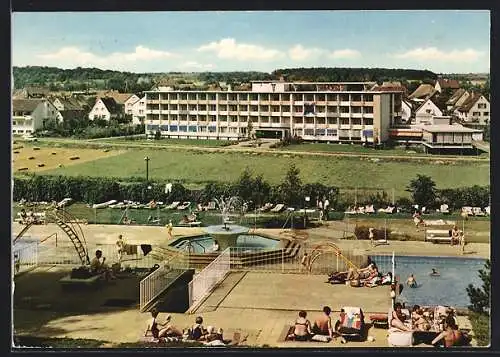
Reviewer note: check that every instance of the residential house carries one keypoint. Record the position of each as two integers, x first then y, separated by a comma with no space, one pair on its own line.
139,111
119,98
423,91
476,109
457,99
69,108
426,111
105,108
406,111
443,83
29,115
129,103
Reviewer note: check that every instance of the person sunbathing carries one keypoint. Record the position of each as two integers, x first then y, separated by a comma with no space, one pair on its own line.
397,318
160,330
302,330
363,273
418,319
451,336
198,332
386,279
323,323
337,277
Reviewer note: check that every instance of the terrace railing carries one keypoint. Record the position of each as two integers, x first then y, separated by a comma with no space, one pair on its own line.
152,286
208,278
24,256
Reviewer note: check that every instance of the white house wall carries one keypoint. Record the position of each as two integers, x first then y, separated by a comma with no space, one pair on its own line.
100,110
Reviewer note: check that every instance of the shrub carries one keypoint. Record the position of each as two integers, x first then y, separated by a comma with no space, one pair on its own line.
362,233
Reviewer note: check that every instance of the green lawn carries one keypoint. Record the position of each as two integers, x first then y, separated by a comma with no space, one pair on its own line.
186,142
348,148
201,167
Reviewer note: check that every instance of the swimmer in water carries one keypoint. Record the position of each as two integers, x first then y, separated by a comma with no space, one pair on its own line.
411,281
434,272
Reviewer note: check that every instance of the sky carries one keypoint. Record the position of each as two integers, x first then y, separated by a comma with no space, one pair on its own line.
447,41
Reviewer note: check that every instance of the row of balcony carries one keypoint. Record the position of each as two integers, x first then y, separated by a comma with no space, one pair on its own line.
260,102
254,113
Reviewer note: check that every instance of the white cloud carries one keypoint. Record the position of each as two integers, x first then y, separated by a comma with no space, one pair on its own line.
196,65
227,48
300,53
346,53
434,54
74,56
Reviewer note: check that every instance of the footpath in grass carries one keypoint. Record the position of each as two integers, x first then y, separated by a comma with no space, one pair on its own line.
203,167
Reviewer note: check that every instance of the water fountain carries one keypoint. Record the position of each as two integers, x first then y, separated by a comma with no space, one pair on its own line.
227,233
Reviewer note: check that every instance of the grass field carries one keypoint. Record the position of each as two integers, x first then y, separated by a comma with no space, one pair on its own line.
201,167
184,142
52,157
347,148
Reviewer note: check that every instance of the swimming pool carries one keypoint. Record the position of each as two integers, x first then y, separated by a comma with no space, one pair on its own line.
447,289
203,244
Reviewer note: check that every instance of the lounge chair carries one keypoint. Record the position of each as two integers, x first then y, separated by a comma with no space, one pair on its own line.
184,205
467,210
278,208
173,205
487,210
266,207
353,323
369,209
444,209
477,211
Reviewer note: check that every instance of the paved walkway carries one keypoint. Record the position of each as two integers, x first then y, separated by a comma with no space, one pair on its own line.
258,304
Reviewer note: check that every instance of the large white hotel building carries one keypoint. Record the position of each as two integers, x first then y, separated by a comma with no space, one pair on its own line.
325,111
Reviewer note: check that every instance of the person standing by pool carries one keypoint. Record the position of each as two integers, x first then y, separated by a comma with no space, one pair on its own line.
462,241
411,281
169,229
455,235
120,247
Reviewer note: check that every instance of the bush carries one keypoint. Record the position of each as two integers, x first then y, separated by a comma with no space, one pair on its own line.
362,233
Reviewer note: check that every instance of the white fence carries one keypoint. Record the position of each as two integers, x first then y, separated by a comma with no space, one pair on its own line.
208,278
155,283
24,256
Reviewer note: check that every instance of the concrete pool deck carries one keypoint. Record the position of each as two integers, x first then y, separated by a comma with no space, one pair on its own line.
236,306
157,235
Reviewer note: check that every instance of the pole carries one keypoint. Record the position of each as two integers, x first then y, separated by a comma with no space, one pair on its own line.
393,197
147,167
393,267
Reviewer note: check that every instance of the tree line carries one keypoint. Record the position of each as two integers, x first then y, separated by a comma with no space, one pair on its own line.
251,188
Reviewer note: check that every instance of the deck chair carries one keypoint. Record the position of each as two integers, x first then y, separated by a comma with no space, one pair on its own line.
477,211
444,209
278,208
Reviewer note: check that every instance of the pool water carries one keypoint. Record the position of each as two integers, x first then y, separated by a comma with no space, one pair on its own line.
447,289
203,244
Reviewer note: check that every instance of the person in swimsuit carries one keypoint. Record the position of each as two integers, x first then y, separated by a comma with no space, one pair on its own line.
411,281
159,330
302,330
120,247
199,333
451,336
434,272
397,318
323,324
455,235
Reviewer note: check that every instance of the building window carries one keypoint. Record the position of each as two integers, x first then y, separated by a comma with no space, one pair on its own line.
212,129
486,114
481,106
183,128
308,131
331,132
320,132
173,128
476,114
203,129
192,129
164,127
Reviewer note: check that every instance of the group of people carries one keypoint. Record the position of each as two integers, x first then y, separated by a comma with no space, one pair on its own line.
323,207
27,217
369,277
304,330
161,331
440,320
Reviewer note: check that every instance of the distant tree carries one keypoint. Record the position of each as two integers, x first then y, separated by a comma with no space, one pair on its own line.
249,129
157,135
290,189
480,297
423,191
